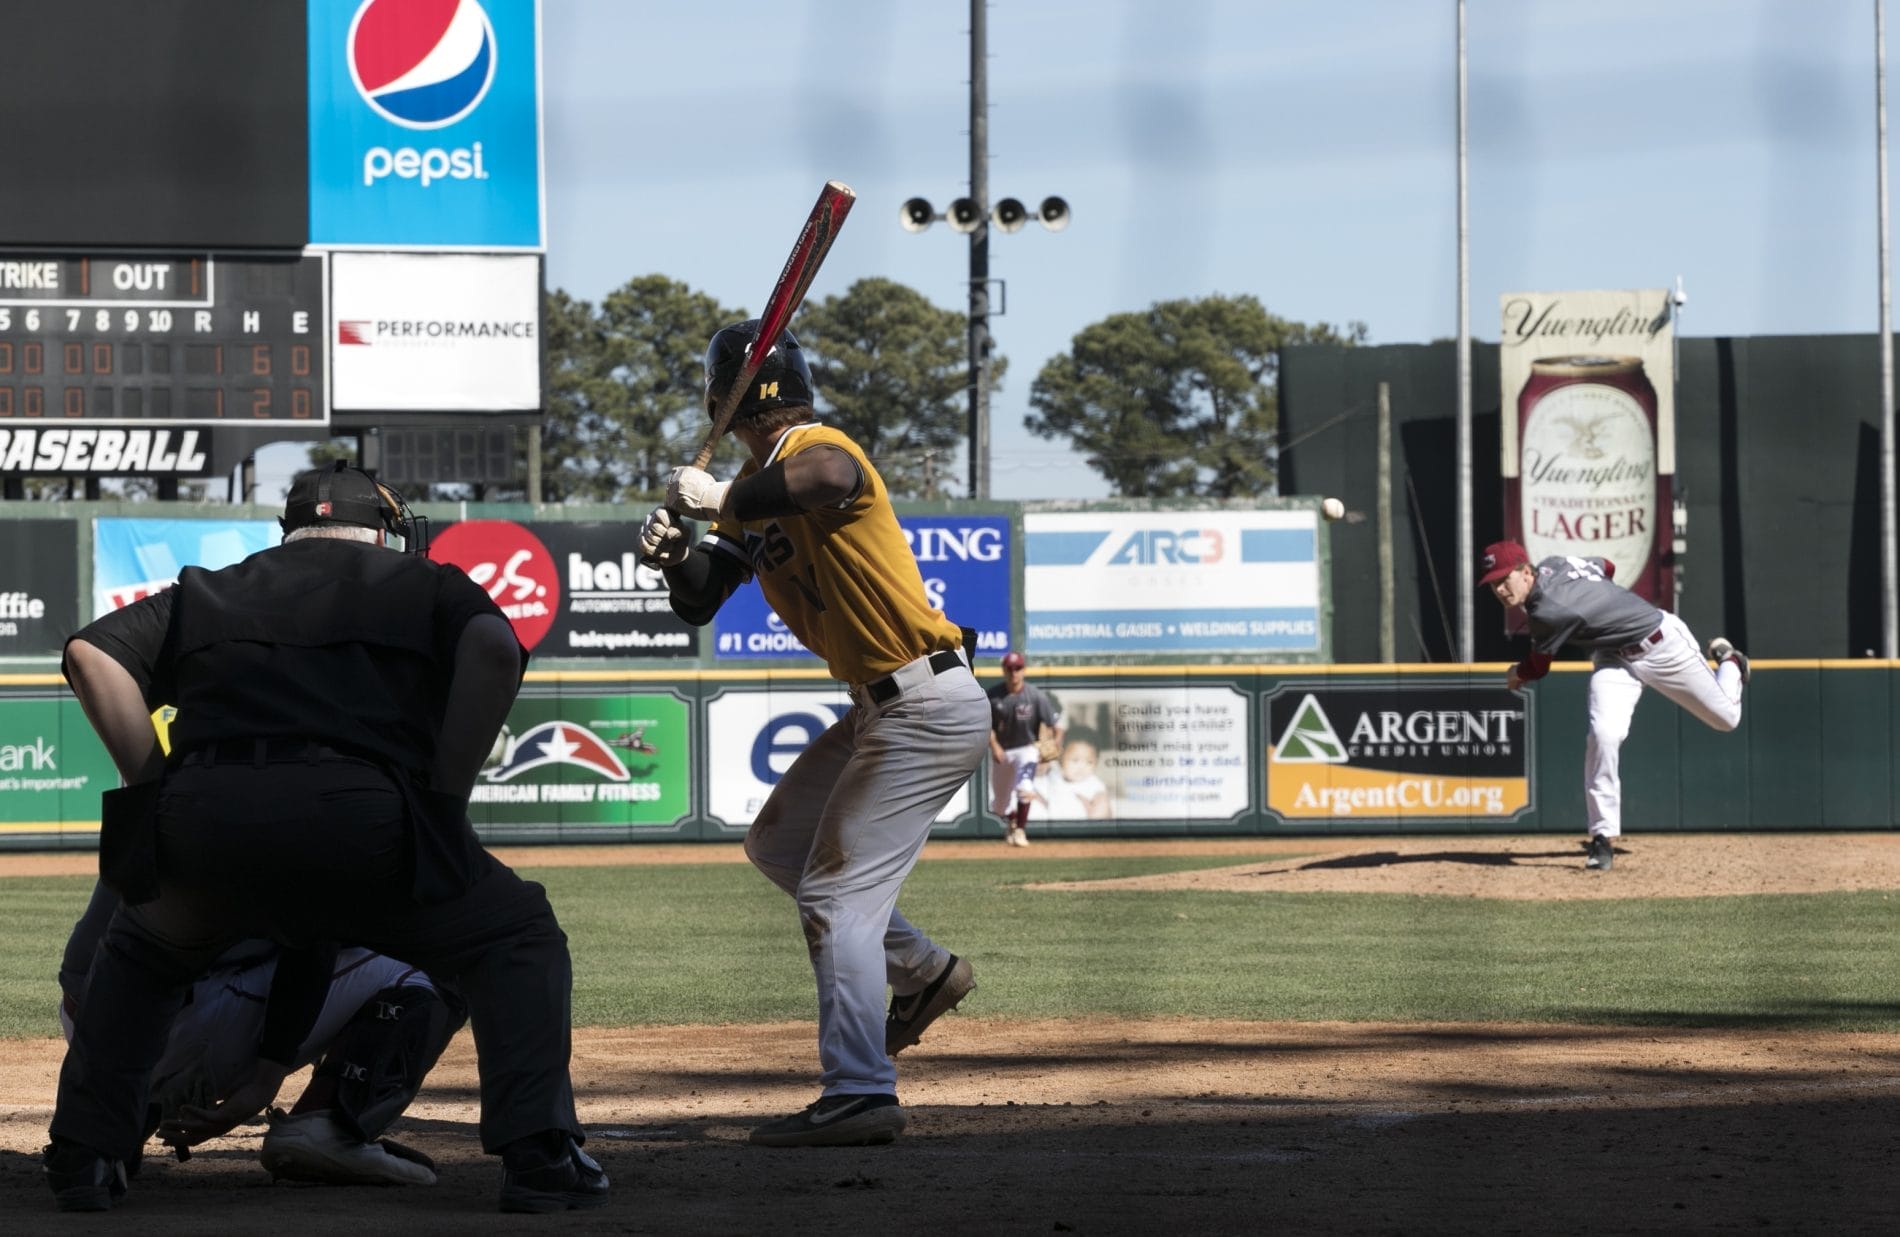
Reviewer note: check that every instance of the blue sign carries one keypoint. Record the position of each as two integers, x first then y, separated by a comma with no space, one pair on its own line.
425,123
966,565
134,558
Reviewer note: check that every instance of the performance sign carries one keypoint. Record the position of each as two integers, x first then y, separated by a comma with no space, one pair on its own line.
1392,752
419,332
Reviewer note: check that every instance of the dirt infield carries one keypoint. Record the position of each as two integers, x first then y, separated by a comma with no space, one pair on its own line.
1161,1125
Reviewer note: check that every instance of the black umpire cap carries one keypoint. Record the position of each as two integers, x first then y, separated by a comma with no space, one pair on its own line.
341,494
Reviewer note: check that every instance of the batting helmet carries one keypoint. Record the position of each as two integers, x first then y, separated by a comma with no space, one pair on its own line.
783,380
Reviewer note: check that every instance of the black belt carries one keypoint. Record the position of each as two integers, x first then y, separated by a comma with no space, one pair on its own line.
261,752
1641,646
885,690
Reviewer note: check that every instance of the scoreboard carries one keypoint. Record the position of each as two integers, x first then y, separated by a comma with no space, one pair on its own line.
177,339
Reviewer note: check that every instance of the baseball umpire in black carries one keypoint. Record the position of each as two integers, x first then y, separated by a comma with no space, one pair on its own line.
335,701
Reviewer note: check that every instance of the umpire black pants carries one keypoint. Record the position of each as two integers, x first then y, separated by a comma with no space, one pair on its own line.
304,851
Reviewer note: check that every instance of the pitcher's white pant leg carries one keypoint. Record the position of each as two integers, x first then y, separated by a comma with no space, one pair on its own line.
1675,668
1614,692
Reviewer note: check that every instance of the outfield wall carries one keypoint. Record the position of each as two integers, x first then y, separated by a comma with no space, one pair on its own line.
1282,750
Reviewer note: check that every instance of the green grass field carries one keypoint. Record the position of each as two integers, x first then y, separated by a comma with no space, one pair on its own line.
711,943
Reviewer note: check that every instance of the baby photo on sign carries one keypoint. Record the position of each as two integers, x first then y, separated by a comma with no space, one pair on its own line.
1145,753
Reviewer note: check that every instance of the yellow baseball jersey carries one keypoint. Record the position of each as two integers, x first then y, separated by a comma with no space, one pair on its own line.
842,578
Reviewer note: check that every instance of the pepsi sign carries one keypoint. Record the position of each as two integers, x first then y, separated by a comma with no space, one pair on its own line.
425,124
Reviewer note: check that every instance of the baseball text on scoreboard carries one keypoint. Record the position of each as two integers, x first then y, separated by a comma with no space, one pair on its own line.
183,339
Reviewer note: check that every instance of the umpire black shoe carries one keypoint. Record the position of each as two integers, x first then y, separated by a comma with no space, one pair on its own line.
567,1183
910,1015
837,1121
81,1178
1602,853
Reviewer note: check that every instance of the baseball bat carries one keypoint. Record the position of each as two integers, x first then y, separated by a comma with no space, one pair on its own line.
814,242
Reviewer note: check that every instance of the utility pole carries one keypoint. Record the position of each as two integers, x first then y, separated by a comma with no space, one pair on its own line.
979,252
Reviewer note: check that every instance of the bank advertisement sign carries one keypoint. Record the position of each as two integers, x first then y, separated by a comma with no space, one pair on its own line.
760,733
1145,753
965,561
1161,582
435,332
52,768
1393,752
134,558
571,590
39,586
425,123
1588,436
580,761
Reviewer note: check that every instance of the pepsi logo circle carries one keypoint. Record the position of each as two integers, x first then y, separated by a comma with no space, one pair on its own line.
511,565
422,64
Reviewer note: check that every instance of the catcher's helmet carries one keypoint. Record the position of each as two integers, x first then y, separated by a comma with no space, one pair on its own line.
783,380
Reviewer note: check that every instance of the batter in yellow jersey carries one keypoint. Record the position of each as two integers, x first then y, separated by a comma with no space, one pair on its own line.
810,519
841,576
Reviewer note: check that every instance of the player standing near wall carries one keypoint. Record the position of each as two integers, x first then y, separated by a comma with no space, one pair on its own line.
1632,644
809,517
1019,710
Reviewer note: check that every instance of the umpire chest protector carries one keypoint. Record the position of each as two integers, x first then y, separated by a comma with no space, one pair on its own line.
323,639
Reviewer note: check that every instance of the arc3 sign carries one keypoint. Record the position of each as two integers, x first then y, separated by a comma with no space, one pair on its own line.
1589,443
1387,752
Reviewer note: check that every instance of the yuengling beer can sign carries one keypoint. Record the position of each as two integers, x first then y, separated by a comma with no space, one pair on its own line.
1588,431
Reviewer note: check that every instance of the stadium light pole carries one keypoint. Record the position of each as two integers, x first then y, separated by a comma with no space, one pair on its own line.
1466,591
1889,608
974,215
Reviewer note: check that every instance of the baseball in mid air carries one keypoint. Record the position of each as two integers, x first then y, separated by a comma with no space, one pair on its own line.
1333,509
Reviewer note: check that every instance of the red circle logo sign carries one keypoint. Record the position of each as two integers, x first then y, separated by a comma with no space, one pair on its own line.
512,565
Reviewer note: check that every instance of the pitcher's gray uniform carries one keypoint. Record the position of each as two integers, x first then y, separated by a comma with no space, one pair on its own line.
1632,644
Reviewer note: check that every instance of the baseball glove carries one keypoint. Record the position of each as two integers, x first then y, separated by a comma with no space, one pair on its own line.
1048,746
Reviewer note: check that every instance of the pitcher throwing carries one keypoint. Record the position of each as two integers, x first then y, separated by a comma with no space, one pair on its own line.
1633,645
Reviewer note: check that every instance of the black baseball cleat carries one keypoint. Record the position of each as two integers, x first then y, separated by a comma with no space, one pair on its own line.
911,1015
1602,853
1721,649
568,1183
81,1178
837,1121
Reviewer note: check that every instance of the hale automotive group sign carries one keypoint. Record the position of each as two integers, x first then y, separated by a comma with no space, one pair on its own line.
1387,753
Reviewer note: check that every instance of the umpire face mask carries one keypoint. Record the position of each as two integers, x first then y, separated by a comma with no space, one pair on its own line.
342,494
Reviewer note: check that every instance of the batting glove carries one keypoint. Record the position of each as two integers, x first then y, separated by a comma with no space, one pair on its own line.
692,491
663,540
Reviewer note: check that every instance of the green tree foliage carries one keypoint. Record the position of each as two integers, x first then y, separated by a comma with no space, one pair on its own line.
892,371
1179,400
624,381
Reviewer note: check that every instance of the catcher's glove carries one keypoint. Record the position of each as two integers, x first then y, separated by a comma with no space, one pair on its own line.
1048,746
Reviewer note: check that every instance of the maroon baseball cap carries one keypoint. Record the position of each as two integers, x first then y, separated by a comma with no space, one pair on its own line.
1012,661
1501,558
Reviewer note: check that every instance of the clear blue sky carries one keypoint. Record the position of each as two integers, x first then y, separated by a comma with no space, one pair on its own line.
1302,151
